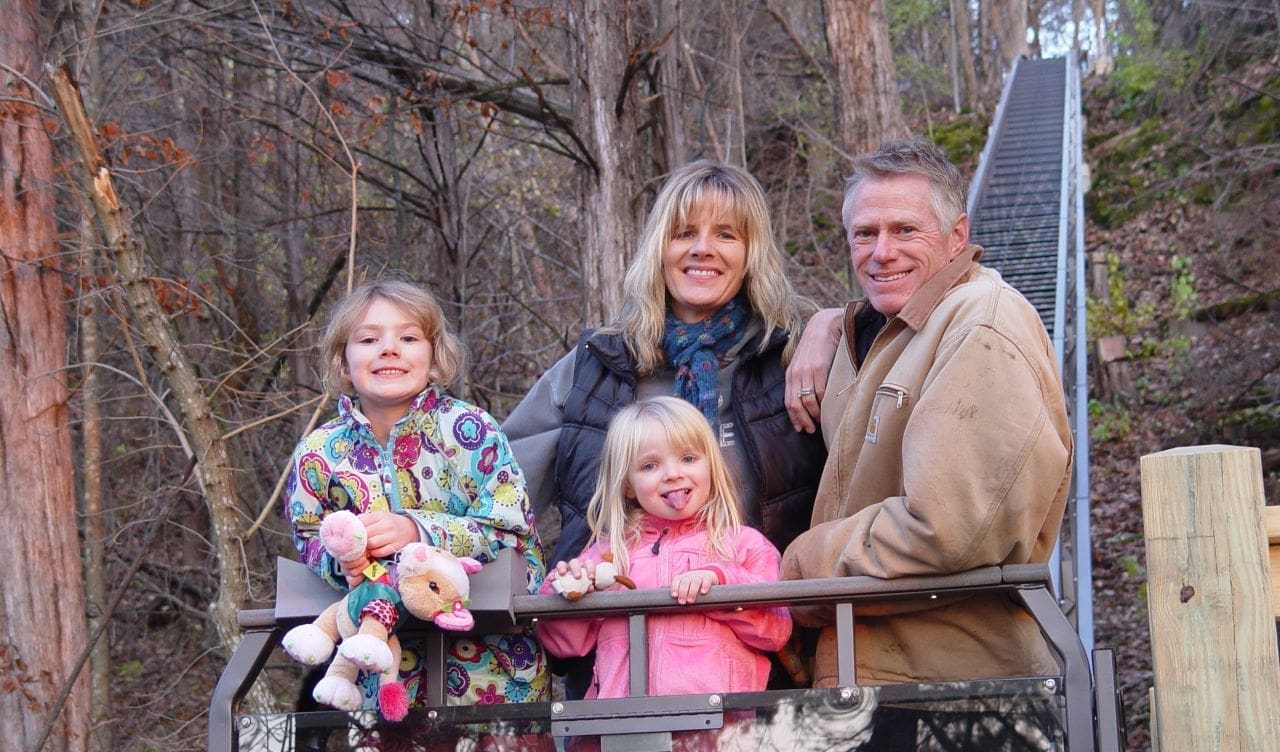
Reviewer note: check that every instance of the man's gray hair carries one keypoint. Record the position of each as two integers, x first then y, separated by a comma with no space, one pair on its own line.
914,157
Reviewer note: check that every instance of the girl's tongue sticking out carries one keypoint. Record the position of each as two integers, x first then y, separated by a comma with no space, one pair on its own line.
677,499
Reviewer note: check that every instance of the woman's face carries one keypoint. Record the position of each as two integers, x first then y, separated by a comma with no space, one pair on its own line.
705,263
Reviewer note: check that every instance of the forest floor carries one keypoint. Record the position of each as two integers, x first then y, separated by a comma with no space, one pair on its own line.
1190,242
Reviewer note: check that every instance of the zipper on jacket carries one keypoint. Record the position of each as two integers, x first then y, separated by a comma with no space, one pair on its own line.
893,390
658,542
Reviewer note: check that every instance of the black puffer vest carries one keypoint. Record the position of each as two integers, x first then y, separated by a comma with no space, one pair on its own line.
788,464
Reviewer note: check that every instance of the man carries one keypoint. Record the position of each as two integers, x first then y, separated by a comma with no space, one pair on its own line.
946,429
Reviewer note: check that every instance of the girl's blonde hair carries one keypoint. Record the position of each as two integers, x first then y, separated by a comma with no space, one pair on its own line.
414,302
699,186
615,519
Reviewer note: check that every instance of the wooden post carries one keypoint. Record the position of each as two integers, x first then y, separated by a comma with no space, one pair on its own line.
1271,515
1213,636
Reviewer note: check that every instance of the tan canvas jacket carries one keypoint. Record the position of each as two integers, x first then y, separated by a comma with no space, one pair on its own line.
948,450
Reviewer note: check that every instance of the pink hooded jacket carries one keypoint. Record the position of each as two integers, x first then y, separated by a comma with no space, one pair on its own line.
694,653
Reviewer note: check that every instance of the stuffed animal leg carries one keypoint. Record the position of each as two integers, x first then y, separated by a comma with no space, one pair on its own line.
343,535
312,644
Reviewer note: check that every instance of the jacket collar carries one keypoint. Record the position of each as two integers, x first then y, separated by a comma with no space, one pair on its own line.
922,303
916,312
653,525
426,401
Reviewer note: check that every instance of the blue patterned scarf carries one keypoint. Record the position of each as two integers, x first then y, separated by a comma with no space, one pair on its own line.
694,350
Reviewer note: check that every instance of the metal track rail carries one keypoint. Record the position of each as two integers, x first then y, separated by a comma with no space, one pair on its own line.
1026,209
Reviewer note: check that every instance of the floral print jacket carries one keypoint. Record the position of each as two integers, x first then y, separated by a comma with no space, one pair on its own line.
449,467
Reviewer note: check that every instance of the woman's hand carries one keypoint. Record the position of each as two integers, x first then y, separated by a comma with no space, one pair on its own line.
686,588
387,533
807,372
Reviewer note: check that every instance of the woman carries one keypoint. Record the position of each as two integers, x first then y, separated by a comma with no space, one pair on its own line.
708,315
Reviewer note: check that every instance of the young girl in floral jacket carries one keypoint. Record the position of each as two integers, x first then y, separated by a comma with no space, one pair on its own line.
416,465
665,511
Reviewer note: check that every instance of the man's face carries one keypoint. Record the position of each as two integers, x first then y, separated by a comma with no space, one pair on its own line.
895,241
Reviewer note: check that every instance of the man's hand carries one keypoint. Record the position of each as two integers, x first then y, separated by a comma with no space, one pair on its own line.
789,569
686,588
387,533
806,616
809,367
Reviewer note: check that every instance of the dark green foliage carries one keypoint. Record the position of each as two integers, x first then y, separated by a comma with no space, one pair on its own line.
961,139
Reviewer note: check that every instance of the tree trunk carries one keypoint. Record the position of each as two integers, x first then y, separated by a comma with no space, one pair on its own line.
1009,25
95,528
988,54
289,176
671,104
214,471
1102,51
1034,9
42,600
91,393
953,67
605,101
737,17
964,47
868,108
1077,16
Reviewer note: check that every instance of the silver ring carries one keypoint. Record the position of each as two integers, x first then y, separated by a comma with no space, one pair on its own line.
806,390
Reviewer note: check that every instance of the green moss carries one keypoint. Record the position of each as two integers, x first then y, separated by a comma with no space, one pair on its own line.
1129,165
961,139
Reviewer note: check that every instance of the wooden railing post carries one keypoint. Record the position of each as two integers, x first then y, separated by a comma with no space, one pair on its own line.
1213,635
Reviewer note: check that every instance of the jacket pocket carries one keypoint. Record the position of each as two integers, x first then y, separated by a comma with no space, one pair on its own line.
889,399
714,660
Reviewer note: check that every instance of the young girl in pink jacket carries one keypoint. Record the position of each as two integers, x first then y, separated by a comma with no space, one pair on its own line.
666,511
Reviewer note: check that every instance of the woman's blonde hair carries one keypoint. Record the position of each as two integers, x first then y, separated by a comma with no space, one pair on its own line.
414,302
699,186
615,519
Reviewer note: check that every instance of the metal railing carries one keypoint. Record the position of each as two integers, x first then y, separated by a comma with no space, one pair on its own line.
1088,708
1026,208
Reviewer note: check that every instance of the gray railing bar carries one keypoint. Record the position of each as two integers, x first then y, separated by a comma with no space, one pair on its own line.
1083,540
792,592
638,655
847,666
1075,665
240,672
1064,217
997,120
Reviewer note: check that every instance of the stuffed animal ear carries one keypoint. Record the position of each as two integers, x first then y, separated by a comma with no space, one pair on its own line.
470,565
415,558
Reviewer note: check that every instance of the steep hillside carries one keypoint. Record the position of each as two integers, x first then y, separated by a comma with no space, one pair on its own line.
1185,217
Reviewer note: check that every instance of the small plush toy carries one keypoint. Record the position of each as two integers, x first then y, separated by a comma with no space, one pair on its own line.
431,584
573,588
